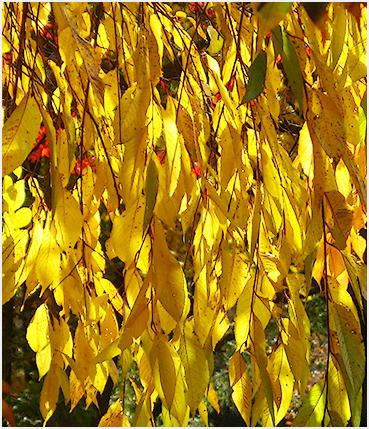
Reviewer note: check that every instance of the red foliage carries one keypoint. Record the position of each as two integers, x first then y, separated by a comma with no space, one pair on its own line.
196,169
279,59
216,99
8,58
230,84
161,156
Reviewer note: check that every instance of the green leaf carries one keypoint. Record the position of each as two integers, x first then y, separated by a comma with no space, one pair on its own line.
315,10
257,73
291,67
20,133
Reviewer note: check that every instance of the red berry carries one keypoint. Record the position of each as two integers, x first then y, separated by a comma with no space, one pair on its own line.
45,152
308,50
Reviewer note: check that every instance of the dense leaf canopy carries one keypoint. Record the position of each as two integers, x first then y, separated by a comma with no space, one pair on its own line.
179,173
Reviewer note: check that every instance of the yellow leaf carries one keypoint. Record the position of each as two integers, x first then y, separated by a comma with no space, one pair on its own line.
305,150
173,146
155,48
262,362
213,398
68,220
114,296
38,337
234,277
114,417
76,390
204,312
203,411
196,367
220,327
243,315
296,354
126,235
38,330
254,230
19,134
161,257
338,401
292,223
108,353
49,394
61,340
270,176
43,361
48,260
296,309
269,15
326,120
349,335
216,40
343,179
282,382
151,191
164,370
21,218
129,119
138,318
90,64
241,385
174,295
108,327
311,412
14,194
343,217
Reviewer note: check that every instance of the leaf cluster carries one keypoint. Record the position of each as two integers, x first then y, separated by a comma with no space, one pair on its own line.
205,169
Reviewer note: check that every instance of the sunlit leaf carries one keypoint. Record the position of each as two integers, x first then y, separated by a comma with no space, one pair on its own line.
19,134
269,15
311,412
114,416
241,385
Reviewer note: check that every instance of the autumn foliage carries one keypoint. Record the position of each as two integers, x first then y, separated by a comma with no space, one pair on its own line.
214,154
